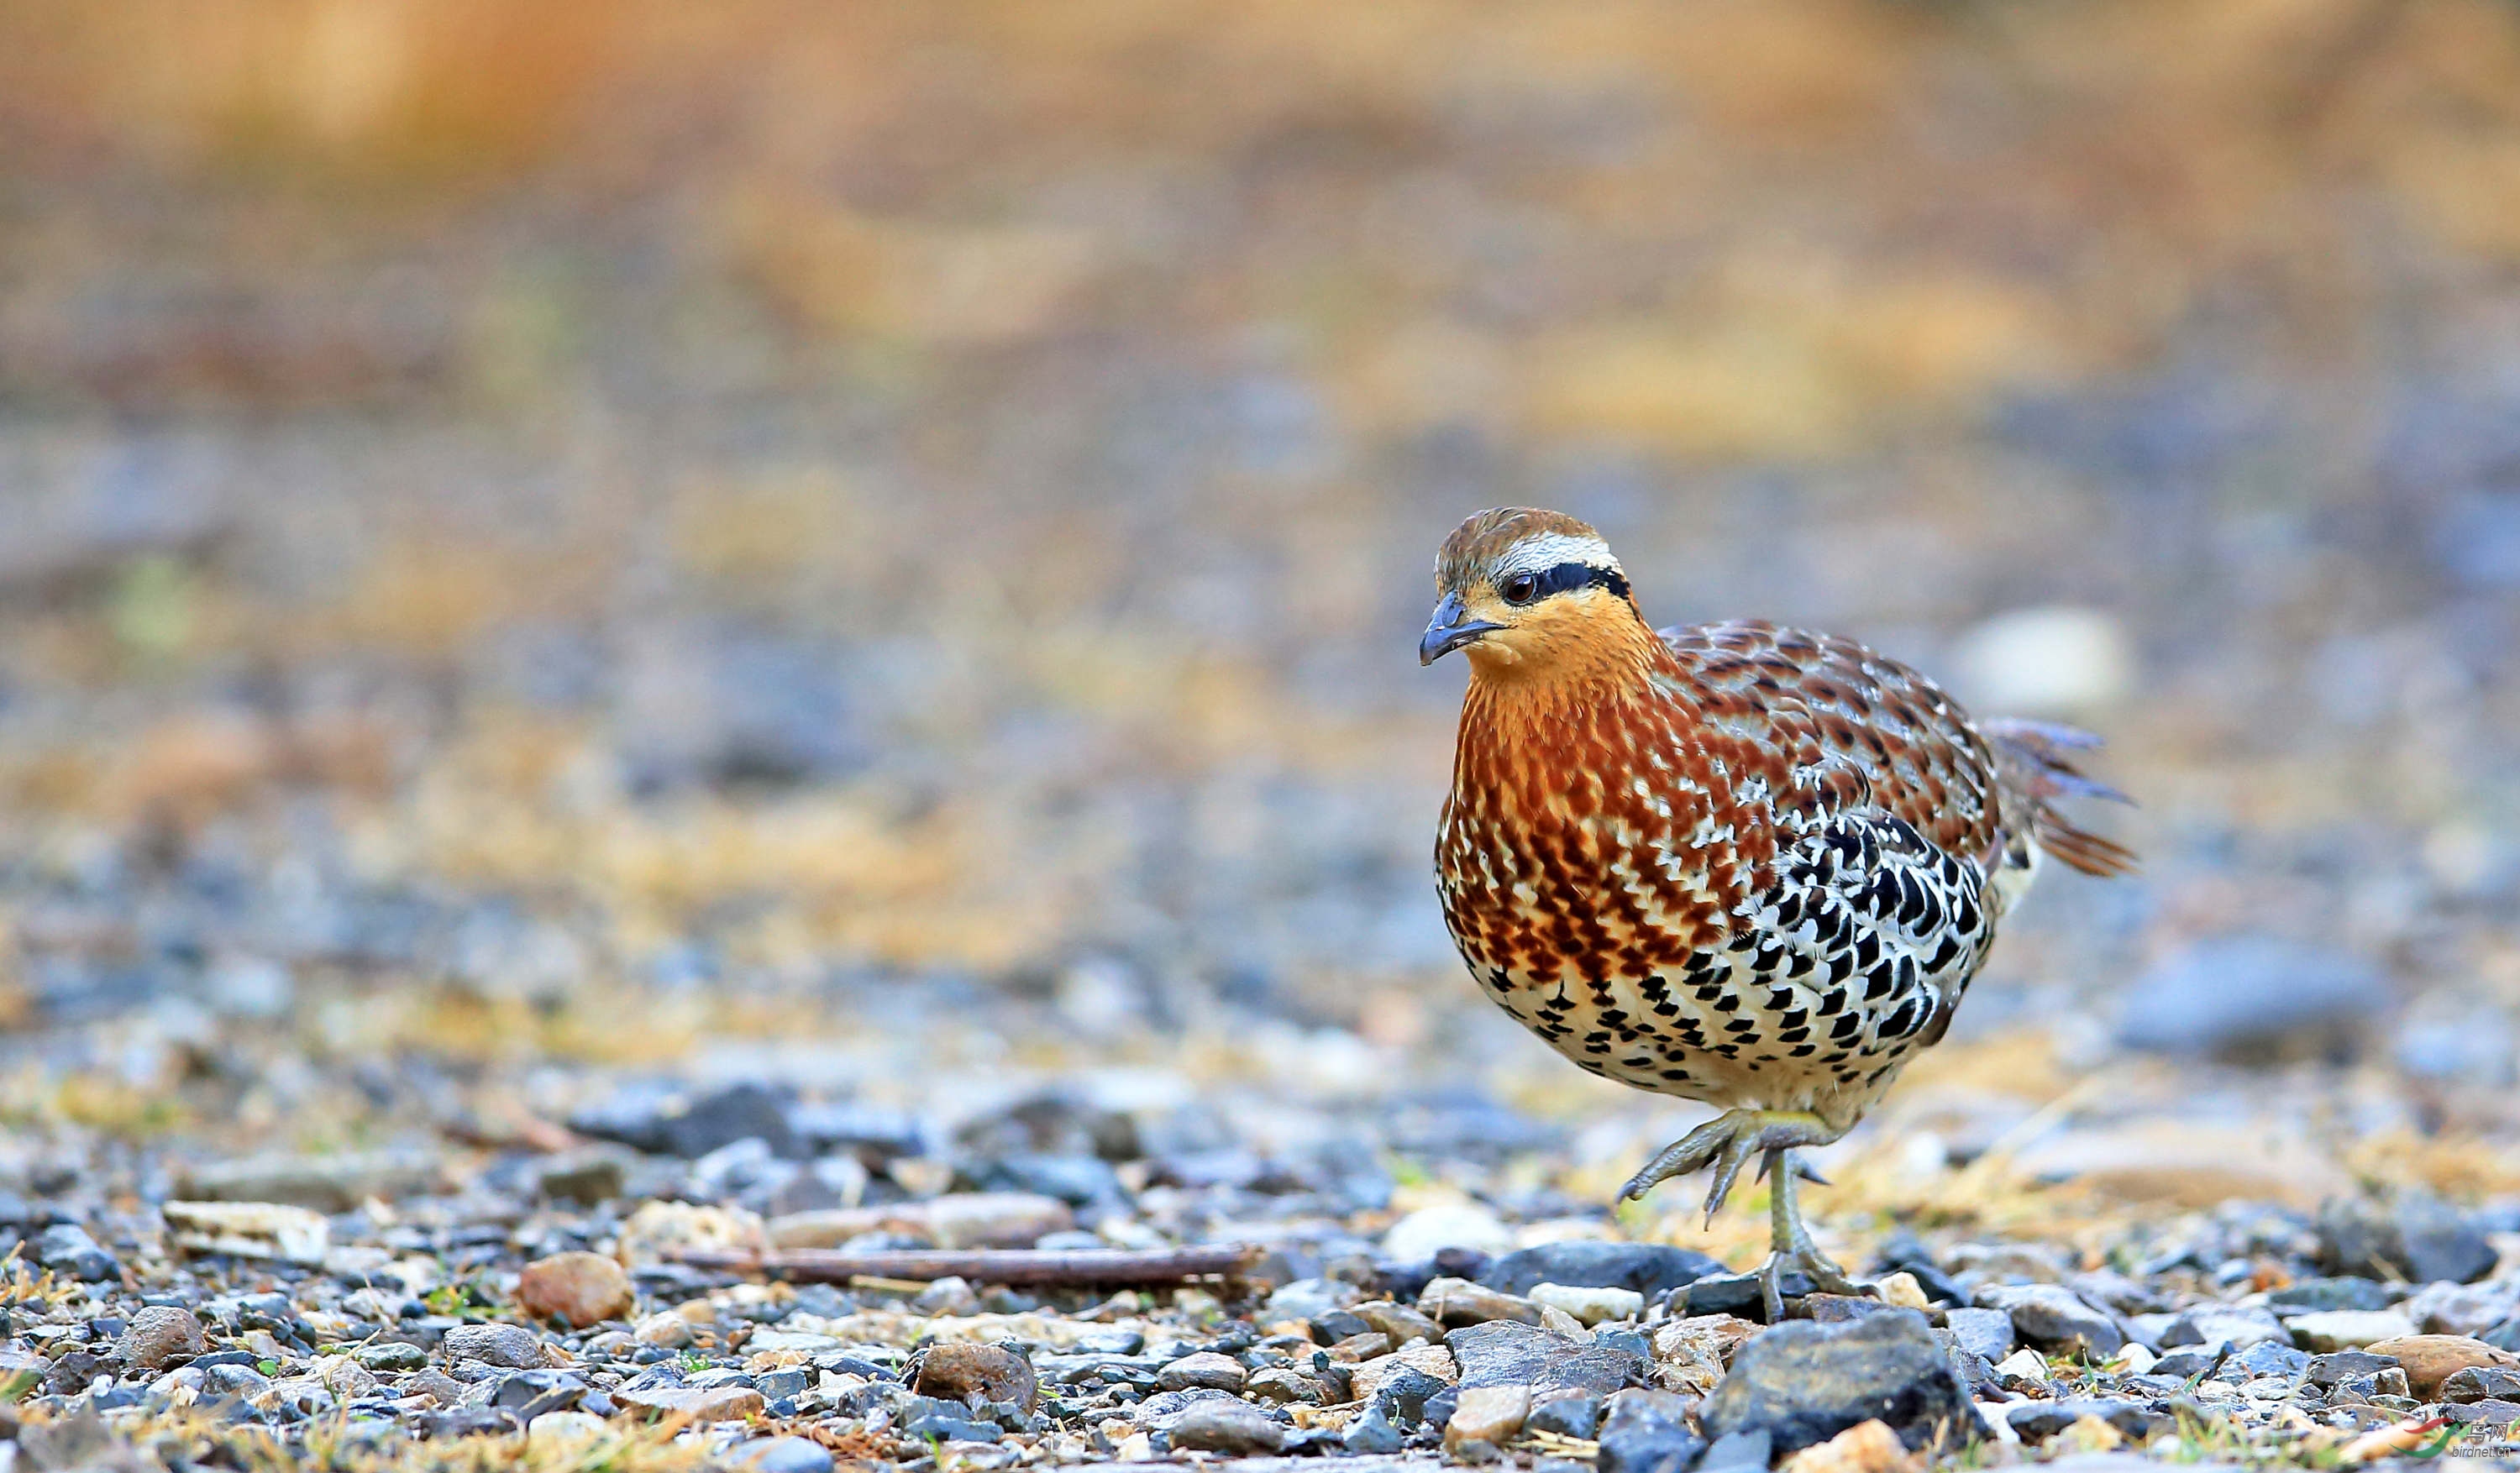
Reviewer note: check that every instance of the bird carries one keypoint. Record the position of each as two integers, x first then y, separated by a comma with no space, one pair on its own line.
1741,864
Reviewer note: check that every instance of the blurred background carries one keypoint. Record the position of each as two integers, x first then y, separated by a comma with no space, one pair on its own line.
564,548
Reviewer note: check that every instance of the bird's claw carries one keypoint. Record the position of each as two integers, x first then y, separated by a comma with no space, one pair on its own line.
1728,1142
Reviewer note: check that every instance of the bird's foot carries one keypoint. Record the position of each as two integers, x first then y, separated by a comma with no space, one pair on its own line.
1813,1265
1726,1143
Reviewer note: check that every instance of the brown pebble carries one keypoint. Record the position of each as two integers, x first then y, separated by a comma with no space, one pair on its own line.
976,1373
157,1337
577,1289
2431,1360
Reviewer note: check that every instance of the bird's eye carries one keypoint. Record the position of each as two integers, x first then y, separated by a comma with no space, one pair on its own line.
1521,588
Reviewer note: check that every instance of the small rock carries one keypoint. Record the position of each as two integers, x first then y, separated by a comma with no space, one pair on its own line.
2456,1308
1490,1415
2248,997
1647,1432
2438,1243
337,1181
1737,1452
555,1431
994,1219
2315,1296
1310,1299
1426,1361
2228,1325
1459,1301
390,1357
2482,1383
2346,1330
1279,1385
1227,1426
1690,1356
66,1249
1651,1270
157,1337
2055,1317
2025,1369
780,1454
1398,1321
247,1230
2431,1360
700,1404
586,1177
1504,1353
1371,1433
659,1230
1835,1309
1740,1294
577,1289
1865,1447
1423,1232
506,1345
1901,1290
1805,1383
2266,1357
664,1329
1589,1305
974,1374
2038,1421
1573,1416
2341,1365
1204,1368
1986,1333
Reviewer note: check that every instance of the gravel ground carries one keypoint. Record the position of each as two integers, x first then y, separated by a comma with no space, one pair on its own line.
715,631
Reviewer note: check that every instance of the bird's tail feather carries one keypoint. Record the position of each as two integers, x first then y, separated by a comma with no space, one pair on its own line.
2032,757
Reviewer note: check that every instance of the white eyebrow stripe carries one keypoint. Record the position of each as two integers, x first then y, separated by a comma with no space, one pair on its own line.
1538,555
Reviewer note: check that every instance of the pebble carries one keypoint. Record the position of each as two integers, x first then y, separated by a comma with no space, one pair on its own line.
1986,1333
1230,1427
2242,995
1490,1415
1454,1302
1422,1234
1649,1269
1310,1299
1692,1355
66,1249
2312,1296
1204,1368
780,1454
1504,1353
1398,1323
2431,1360
700,1404
160,1336
250,1229
2230,1326
509,1345
1648,1432
1804,1383
2346,1330
577,1289
975,1374
1589,1305
557,1431
1573,1416
1866,1447
2482,1383
2055,1317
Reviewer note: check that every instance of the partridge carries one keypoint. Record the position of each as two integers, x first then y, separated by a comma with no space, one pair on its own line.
1739,863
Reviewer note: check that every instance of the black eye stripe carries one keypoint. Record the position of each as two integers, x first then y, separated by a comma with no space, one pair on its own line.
1569,576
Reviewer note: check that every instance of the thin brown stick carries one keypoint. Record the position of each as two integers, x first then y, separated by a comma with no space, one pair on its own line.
987,1266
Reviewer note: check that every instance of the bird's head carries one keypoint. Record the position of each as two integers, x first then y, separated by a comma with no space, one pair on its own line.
1530,593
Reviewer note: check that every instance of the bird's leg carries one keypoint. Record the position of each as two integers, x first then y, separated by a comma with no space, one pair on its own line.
1726,1143
1791,1245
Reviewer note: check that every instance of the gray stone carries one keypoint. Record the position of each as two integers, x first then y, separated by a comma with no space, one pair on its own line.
1648,1432
2315,1296
159,1337
2054,1317
1738,1453
66,1249
2246,997
1503,1353
1804,1383
973,1373
508,1345
387,1356
1651,1270
2228,1325
1984,1333
1204,1368
2418,1237
2329,1369
2346,1330
1576,1417
780,1454
1373,1432
2482,1383
1229,1426
2038,1421
1310,1299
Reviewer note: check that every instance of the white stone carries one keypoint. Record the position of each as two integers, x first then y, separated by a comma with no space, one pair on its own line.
2057,660
555,1431
250,1229
2328,1330
2024,1363
1488,1414
1589,1305
1414,1238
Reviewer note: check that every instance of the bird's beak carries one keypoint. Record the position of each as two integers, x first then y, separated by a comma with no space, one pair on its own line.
1448,629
